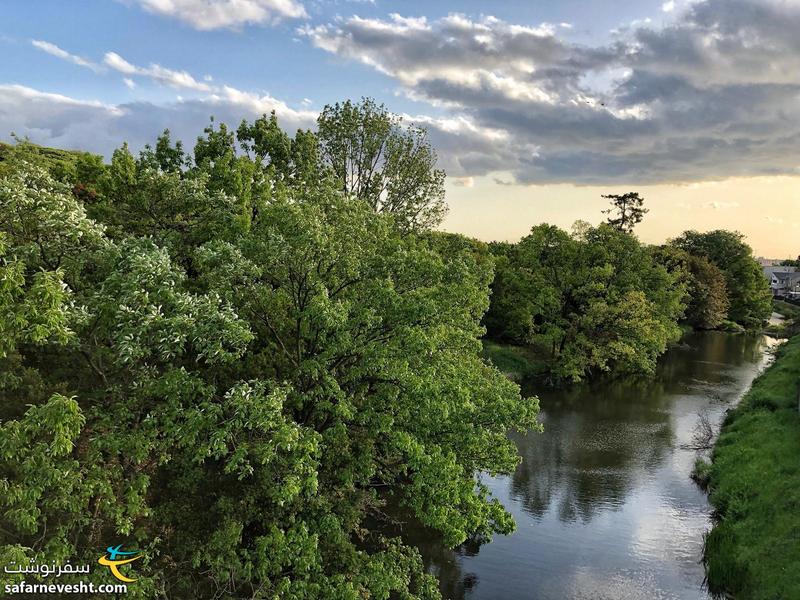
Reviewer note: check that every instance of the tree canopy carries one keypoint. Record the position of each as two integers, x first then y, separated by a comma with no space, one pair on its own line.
748,291
627,211
594,301
233,335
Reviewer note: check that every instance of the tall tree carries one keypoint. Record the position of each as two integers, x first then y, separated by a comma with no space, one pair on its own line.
747,288
706,292
378,159
593,302
284,381
627,211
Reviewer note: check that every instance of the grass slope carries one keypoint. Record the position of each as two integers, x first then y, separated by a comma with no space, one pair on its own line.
753,550
55,160
518,363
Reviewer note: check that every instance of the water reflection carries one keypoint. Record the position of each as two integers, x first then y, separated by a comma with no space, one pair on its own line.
603,500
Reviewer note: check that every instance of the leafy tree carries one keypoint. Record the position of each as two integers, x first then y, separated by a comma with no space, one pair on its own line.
706,293
165,157
593,302
626,211
284,380
388,165
747,288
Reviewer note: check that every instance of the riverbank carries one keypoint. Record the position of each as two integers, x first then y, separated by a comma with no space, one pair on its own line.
753,551
518,363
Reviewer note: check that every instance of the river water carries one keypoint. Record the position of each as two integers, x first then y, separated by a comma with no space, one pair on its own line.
604,505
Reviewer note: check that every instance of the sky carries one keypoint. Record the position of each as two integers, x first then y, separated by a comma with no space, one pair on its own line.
536,108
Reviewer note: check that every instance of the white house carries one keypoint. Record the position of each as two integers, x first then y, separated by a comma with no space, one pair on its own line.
783,280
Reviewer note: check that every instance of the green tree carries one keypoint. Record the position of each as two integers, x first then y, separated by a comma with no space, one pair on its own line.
283,380
592,302
376,158
626,211
706,293
747,289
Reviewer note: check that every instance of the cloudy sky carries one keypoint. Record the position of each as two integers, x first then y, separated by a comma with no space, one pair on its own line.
536,108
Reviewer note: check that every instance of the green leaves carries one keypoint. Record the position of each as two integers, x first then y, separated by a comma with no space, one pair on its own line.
592,302
258,361
748,294
390,167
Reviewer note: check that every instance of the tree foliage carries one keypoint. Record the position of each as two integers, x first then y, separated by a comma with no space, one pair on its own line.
706,292
594,301
239,367
748,291
627,211
391,167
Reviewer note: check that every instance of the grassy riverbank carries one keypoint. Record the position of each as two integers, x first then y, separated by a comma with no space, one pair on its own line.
518,363
754,480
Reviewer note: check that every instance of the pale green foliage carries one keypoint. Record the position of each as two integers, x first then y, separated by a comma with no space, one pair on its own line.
47,225
240,395
390,166
32,308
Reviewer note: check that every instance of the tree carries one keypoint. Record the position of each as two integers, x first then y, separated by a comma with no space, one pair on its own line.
592,302
626,211
389,166
747,289
706,293
284,380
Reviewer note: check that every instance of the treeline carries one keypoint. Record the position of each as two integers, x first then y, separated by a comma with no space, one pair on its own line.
231,358
597,300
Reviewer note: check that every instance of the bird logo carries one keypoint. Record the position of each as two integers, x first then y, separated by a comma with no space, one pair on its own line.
113,562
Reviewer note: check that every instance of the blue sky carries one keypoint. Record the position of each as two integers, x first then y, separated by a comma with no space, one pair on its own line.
262,57
520,98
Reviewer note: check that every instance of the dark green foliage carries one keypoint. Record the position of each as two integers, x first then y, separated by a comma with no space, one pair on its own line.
748,291
627,211
706,301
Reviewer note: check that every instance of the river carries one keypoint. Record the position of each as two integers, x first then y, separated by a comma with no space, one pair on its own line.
604,504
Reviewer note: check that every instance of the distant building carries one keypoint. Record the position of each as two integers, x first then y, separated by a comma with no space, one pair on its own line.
768,262
783,280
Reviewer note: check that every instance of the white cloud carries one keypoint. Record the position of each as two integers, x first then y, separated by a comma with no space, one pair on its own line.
466,182
712,94
65,122
130,83
170,77
54,50
218,14
668,6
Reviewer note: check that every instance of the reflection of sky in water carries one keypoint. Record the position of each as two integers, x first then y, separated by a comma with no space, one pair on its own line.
603,500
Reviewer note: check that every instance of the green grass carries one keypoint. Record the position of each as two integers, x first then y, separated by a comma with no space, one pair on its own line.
731,327
753,551
790,326
790,311
516,362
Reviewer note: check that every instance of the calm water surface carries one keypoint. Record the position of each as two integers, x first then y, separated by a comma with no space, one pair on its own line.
604,505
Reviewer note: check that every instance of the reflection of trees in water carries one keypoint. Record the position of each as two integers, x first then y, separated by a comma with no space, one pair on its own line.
598,439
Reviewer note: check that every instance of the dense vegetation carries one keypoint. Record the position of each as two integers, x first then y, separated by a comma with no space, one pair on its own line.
232,360
599,301
754,480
